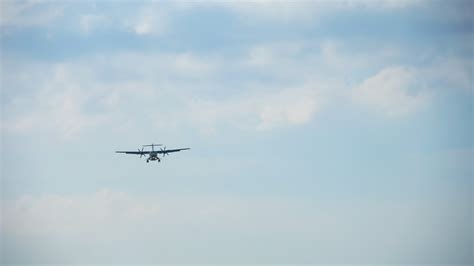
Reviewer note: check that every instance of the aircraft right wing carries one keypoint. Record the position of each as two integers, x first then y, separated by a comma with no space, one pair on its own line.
134,152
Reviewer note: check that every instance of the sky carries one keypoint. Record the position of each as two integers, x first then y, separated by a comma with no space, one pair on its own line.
321,132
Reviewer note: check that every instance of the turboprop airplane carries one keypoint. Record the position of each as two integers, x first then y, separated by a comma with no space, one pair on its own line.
153,155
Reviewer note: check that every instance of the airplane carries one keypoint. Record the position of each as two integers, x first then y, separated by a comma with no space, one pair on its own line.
153,155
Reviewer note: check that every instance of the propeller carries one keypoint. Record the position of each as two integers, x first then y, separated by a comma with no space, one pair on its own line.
164,151
141,154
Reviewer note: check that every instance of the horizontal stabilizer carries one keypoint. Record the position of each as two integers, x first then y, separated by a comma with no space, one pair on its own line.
149,145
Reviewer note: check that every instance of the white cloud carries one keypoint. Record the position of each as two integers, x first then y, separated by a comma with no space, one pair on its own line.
29,13
293,11
274,85
151,19
90,22
289,107
67,98
394,91
61,112
272,109
183,89
276,55
282,11
148,18
72,216
192,65
56,103
451,73
260,56
382,4
220,228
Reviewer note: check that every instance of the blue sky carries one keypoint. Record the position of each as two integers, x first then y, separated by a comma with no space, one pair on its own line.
320,131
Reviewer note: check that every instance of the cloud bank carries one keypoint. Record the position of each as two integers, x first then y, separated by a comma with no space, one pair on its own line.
223,228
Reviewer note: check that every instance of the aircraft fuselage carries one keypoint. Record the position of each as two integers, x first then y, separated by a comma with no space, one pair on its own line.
153,157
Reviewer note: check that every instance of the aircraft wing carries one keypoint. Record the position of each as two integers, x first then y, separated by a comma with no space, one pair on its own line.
173,150
134,152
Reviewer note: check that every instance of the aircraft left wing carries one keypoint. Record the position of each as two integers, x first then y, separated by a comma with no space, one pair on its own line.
173,150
